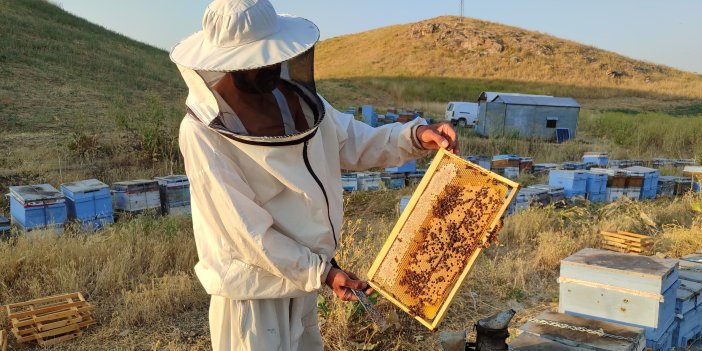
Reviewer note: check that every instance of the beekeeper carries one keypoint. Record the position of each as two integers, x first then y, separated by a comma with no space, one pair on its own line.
263,153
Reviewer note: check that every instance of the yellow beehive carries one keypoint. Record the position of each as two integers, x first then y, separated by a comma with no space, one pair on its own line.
454,213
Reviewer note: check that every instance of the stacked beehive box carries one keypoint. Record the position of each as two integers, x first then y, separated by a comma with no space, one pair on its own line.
89,203
37,207
666,186
506,165
529,197
683,185
618,183
633,290
369,181
575,166
689,301
599,159
649,185
136,196
393,180
556,194
596,187
50,320
349,181
573,182
174,191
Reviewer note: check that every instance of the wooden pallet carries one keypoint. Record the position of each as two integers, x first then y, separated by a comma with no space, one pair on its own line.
627,242
3,341
50,320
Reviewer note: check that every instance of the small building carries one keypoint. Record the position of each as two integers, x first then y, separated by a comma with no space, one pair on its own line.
89,203
526,116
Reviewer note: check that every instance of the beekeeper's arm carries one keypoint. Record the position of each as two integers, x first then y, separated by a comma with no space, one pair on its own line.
229,204
362,146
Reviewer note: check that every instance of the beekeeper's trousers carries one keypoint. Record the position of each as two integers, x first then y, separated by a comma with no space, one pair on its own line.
263,325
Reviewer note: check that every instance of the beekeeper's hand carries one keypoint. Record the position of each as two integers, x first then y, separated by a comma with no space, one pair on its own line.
341,282
438,136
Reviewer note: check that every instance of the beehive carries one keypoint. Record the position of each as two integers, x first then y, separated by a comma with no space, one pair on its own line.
454,213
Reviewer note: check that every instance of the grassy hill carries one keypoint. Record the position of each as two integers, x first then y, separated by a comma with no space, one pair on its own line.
56,66
446,59
78,100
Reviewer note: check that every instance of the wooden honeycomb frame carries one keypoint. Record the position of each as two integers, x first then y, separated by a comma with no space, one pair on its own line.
454,213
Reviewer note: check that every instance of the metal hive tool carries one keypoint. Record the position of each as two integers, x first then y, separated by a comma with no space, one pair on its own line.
454,213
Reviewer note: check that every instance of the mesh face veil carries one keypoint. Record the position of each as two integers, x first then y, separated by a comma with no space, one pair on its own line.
296,77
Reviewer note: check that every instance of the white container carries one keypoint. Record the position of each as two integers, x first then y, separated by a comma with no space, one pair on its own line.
639,290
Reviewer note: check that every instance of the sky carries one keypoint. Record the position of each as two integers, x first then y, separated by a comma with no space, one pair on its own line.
657,31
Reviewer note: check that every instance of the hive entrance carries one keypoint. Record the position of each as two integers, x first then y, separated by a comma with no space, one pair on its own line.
452,215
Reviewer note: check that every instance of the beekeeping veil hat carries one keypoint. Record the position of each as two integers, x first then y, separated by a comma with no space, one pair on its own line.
242,35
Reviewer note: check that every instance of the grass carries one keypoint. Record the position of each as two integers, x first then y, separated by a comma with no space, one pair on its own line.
139,274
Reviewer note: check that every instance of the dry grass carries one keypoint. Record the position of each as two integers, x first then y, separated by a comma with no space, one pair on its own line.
474,49
139,272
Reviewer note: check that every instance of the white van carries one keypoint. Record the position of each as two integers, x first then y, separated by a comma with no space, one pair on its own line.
462,114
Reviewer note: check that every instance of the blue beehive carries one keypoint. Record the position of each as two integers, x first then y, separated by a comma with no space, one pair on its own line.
596,187
349,181
573,166
689,301
599,159
555,193
403,203
37,207
410,166
574,183
369,116
175,194
650,183
689,311
4,226
393,180
89,203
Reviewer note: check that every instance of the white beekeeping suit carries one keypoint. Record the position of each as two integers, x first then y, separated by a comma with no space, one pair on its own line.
267,209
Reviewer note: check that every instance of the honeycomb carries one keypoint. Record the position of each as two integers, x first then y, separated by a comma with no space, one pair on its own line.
454,213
